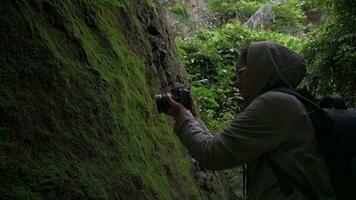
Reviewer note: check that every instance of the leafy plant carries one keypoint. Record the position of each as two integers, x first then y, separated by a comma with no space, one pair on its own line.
288,18
232,10
247,8
331,53
179,10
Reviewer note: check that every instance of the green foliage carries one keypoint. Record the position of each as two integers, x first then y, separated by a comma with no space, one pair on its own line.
212,55
314,10
221,5
178,15
332,53
245,9
179,10
230,9
206,97
288,17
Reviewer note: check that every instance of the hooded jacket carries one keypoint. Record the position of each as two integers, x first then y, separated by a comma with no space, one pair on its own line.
274,129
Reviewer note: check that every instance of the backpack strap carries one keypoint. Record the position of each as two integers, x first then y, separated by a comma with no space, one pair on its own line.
310,106
286,181
245,180
316,113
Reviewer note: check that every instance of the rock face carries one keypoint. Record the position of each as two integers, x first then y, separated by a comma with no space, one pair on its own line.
78,119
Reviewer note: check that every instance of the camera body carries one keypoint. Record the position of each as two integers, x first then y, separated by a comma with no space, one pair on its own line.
180,94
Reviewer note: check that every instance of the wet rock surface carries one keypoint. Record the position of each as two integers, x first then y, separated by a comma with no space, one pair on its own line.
78,119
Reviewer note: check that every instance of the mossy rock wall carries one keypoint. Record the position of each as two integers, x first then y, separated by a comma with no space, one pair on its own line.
78,119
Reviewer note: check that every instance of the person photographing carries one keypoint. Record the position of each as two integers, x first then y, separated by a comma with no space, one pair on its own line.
273,135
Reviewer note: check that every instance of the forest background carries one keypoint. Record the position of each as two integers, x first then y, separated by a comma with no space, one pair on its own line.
210,34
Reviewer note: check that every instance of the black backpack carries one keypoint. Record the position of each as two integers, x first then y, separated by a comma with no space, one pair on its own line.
335,127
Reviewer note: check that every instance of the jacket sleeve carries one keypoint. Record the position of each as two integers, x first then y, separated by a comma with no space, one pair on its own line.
255,132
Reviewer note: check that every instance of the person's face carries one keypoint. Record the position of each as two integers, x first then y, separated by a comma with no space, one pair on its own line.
240,71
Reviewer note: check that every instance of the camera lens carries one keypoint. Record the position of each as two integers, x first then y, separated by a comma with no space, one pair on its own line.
162,106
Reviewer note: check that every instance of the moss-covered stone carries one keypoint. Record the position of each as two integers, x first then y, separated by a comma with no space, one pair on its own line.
78,120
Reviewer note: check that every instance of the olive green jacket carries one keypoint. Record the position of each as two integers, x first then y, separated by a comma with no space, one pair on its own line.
274,128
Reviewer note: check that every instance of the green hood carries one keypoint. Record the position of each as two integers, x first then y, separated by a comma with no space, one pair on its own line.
270,65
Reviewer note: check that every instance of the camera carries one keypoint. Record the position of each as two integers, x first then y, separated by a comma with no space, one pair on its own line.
180,94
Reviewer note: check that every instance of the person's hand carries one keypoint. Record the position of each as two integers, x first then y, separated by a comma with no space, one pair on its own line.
174,108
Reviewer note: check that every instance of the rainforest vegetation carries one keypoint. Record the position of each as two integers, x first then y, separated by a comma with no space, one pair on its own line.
211,33
78,118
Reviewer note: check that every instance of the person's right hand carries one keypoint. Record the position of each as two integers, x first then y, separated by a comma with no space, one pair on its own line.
174,108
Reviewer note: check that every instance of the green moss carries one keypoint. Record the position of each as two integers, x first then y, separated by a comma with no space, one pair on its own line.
113,3
151,4
79,111
135,22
